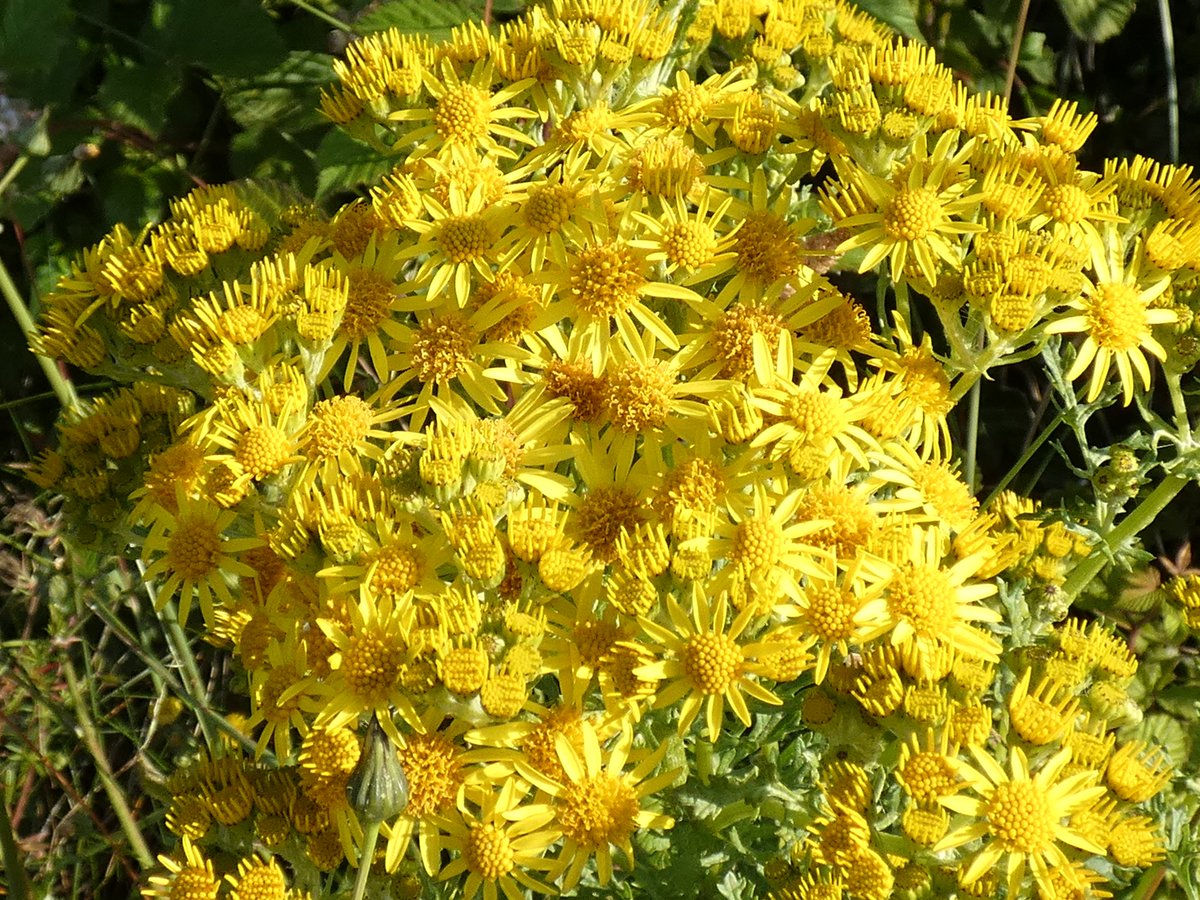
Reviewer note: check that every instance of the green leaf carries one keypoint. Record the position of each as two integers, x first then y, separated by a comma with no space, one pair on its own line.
234,37
138,95
900,14
33,33
436,19
285,96
344,164
1097,20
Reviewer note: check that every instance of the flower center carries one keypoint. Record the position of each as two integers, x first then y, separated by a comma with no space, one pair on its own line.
598,811
489,853
336,425
462,114
434,773
757,544
638,397
912,214
371,667
605,280
922,596
733,338
767,249
690,245
368,305
464,238
1019,816
1116,316
442,348
193,548
712,662
262,450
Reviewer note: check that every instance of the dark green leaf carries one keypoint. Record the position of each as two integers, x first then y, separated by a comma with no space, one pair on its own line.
138,95
344,164
285,97
422,15
234,37
33,33
897,13
1097,20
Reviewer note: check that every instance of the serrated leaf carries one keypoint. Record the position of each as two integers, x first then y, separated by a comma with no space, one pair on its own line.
344,164
435,19
900,14
1097,20
285,97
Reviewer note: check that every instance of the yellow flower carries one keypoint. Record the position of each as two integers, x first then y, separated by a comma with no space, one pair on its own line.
706,667
1116,317
466,115
190,879
1020,817
597,804
188,550
498,845
931,606
918,216
369,661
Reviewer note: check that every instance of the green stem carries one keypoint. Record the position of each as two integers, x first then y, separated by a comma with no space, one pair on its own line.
182,652
62,388
1131,525
370,836
18,881
972,435
1183,421
1033,448
13,171
325,17
91,739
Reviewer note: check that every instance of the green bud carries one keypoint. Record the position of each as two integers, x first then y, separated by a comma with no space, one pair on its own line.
378,788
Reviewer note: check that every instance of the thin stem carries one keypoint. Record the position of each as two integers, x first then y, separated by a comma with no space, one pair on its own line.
1131,525
370,836
182,652
13,171
1015,54
972,435
1032,449
116,796
325,17
1168,39
62,388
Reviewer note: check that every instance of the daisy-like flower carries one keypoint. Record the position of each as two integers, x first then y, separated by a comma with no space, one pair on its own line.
706,666
192,877
764,551
188,550
598,804
1115,315
369,658
840,611
1021,817
465,115
930,606
258,879
498,843
918,216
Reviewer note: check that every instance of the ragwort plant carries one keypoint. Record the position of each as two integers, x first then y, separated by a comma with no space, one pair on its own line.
575,527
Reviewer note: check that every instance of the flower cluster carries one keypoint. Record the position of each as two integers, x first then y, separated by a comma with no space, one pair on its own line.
562,458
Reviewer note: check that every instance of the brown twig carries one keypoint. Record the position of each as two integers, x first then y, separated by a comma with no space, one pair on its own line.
1015,54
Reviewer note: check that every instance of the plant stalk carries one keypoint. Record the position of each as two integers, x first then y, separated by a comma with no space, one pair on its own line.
62,388
1131,525
365,858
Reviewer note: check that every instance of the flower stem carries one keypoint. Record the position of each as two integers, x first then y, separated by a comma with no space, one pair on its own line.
1130,526
62,388
365,858
972,435
116,796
